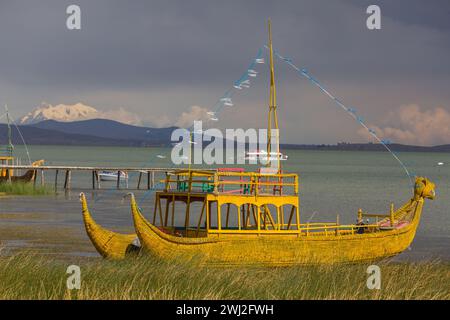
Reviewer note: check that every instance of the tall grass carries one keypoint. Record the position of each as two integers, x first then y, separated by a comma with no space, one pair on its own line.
25,188
27,276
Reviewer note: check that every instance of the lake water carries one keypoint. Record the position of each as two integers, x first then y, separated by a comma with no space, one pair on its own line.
331,182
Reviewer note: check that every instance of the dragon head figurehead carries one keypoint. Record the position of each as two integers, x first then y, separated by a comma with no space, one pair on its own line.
424,188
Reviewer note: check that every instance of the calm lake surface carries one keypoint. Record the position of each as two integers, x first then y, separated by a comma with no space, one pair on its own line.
331,183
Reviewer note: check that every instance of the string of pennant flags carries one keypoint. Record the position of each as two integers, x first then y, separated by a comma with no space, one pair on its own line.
350,110
225,100
242,83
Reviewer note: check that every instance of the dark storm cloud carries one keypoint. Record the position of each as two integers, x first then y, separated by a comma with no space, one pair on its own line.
131,44
158,58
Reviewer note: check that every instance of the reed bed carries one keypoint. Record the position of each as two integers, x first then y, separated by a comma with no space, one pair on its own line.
30,276
25,188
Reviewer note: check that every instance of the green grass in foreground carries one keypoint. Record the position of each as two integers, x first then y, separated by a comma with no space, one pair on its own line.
23,188
27,276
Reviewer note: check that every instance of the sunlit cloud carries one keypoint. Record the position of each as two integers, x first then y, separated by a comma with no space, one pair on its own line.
410,124
197,113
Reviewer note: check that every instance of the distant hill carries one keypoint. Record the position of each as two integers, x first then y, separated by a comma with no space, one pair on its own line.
103,132
367,147
39,136
110,129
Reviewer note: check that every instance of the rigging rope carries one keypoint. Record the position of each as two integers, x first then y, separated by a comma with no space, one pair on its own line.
224,101
350,111
23,141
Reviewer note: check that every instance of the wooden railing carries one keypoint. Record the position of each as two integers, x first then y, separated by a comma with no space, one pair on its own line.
390,215
243,183
308,229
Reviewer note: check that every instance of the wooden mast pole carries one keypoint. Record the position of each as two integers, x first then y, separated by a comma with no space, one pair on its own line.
272,107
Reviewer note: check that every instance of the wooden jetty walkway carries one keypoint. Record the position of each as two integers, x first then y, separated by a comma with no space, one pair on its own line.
143,174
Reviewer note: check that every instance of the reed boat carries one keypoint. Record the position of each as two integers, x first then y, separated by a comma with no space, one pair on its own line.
7,175
233,217
258,234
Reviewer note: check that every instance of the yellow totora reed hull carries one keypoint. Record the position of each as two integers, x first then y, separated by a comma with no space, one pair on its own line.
110,245
277,250
268,248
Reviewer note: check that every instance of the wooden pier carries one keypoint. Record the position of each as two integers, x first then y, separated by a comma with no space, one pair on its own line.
142,178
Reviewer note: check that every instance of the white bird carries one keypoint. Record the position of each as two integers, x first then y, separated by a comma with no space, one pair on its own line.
161,156
214,119
237,87
440,164
259,60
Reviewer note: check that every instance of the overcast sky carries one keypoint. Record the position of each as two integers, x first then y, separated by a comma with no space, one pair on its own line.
158,59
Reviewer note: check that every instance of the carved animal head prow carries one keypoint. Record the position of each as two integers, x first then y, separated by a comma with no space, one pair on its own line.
424,188
38,163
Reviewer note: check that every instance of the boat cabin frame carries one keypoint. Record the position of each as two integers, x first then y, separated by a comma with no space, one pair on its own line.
234,201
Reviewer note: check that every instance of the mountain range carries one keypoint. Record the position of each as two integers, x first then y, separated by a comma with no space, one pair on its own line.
80,124
95,132
103,132
77,112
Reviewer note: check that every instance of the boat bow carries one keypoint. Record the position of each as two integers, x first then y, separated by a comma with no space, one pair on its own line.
109,244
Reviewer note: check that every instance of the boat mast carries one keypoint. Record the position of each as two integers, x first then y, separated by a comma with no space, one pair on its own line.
272,107
9,147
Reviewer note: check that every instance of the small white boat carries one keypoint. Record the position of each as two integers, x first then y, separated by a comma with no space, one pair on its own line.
112,175
263,155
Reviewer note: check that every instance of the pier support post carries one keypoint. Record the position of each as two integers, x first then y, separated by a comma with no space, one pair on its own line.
35,173
97,177
8,173
93,179
118,179
56,180
148,180
139,180
67,180
153,179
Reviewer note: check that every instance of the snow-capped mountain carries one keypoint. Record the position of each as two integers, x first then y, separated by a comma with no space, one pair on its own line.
76,112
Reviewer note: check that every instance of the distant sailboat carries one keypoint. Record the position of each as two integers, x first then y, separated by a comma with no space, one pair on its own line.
8,159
